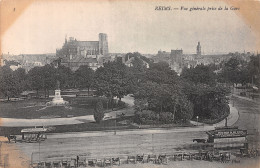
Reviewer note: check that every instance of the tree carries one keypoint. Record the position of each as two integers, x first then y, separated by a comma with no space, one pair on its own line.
43,78
136,74
183,108
199,74
208,98
253,69
22,79
36,79
84,77
160,91
137,55
65,76
112,80
140,104
161,73
10,85
209,102
234,71
99,112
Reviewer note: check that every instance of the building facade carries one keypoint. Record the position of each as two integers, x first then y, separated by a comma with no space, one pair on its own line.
75,53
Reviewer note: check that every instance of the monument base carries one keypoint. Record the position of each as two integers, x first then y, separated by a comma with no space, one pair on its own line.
57,100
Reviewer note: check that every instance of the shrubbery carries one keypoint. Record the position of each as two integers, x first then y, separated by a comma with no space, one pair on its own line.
150,117
99,112
146,117
166,117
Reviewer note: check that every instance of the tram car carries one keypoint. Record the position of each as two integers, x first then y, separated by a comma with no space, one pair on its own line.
228,137
34,134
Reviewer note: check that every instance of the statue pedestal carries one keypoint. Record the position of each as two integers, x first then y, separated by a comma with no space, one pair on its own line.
58,100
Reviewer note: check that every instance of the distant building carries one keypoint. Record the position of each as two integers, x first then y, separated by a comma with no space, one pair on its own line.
162,56
75,53
15,67
177,60
2,62
129,62
28,61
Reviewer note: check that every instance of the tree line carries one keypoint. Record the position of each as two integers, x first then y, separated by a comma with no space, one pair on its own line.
160,94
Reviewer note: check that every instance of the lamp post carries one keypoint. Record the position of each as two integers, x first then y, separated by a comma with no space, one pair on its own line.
39,151
31,158
233,92
152,144
115,124
197,120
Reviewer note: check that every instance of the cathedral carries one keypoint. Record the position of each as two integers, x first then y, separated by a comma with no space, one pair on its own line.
75,53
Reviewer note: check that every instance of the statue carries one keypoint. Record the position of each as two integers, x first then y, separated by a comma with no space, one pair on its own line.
57,100
58,84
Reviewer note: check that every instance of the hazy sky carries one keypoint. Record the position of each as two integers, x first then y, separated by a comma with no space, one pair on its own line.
130,26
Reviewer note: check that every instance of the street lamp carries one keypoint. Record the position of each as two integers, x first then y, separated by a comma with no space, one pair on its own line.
32,158
39,150
197,120
115,124
233,92
152,144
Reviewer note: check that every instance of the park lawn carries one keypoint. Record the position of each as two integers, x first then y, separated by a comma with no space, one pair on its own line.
36,108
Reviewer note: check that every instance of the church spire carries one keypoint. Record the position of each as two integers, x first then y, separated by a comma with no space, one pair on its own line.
66,39
198,49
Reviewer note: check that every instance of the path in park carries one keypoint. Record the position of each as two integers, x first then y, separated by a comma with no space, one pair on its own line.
231,119
14,122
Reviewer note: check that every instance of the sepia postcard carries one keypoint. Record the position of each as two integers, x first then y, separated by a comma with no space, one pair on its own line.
149,83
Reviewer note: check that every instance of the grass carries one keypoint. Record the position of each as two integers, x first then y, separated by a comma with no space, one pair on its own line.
36,108
214,121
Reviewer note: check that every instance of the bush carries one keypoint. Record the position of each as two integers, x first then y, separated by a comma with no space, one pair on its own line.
217,115
98,111
166,117
150,117
121,104
146,116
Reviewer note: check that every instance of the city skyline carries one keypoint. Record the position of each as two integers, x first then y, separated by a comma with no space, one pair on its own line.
141,29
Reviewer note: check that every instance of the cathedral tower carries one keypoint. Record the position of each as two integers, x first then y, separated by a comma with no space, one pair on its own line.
198,49
103,44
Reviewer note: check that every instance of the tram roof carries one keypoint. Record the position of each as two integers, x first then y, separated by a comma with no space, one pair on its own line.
227,129
33,130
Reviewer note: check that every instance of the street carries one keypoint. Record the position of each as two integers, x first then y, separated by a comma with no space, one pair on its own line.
249,119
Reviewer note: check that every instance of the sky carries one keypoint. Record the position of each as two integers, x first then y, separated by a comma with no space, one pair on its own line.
130,25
